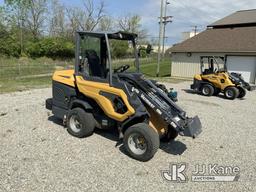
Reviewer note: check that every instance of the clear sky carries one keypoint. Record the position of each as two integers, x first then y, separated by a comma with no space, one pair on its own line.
187,13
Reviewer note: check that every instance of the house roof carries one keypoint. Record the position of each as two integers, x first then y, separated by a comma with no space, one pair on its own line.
239,18
241,39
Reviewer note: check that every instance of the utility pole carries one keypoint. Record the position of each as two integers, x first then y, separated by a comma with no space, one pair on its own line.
166,20
160,38
195,29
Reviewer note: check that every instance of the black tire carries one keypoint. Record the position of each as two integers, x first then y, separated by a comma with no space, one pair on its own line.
207,90
216,91
162,87
242,92
80,123
231,93
171,135
149,145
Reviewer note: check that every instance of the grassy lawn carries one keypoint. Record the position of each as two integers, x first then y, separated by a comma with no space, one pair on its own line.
150,69
24,84
13,67
148,66
19,74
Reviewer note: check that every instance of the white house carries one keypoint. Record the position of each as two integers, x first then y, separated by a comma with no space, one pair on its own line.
188,34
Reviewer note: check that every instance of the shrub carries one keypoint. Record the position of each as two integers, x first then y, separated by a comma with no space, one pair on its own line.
9,45
119,48
51,47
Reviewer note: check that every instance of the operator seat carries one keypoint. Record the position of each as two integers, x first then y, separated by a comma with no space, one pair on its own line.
207,71
94,64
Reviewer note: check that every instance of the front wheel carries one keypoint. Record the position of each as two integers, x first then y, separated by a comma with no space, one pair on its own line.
80,123
141,141
231,93
242,92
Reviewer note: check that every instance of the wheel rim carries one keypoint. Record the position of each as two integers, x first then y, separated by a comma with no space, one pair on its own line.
229,93
206,90
75,124
137,144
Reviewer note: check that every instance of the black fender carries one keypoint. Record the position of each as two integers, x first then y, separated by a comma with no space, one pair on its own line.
198,85
80,103
205,83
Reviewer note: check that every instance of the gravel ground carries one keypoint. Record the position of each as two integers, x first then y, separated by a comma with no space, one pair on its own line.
37,153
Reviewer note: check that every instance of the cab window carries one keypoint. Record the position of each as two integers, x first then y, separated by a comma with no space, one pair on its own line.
92,62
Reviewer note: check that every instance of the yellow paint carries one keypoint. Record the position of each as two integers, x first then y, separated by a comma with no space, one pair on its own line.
91,89
198,77
65,77
157,123
216,78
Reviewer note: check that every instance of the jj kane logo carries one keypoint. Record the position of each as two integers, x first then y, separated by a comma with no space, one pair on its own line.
176,173
201,173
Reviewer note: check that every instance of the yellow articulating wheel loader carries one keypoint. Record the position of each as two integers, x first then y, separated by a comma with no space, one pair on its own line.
94,95
214,80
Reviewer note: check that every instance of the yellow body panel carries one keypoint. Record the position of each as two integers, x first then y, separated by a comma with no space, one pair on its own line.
65,77
216,79
198,77
91,89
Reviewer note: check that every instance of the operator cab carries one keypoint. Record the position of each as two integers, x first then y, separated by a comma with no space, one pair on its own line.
212,64
94,53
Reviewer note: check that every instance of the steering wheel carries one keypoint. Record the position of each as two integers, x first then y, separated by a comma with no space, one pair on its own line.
121,69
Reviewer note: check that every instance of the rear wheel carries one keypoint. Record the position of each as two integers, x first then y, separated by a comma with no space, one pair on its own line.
242,92
141,141
231,93
207,90
80,123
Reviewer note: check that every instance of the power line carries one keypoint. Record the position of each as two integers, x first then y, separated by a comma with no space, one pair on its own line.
195,29
188,8
166,20
194,11
161,25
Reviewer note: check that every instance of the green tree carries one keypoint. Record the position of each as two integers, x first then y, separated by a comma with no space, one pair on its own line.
17,13
119,48
106,24
57,26
85,18
8,43
35,21
53,47
132,24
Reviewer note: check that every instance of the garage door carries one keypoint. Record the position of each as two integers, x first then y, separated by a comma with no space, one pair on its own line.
244,65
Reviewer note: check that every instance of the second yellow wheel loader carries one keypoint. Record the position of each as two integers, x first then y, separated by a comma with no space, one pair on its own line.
214,80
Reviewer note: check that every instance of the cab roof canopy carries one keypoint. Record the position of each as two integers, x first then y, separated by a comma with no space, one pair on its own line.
120,35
